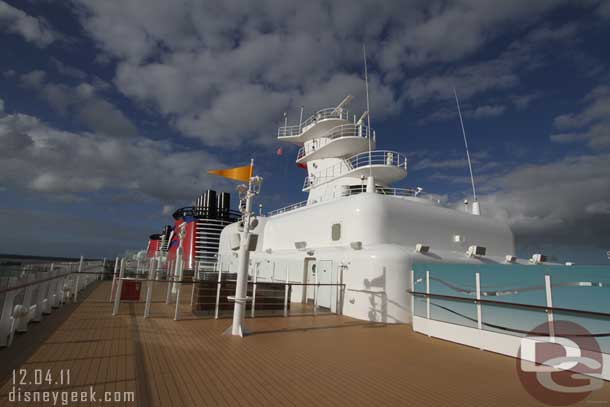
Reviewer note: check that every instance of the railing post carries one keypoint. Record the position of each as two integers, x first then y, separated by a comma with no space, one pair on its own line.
116,268
169,285
6,321
286,293
76,287
149,287
254,291
315,292
478,302
218,284
549,304
117,295
427,296
177,310
412,295
101,275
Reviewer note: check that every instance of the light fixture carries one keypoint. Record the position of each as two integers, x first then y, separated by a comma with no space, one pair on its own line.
475,251
458,238
356,245
421,248
538,258
569,263
300,245
509,258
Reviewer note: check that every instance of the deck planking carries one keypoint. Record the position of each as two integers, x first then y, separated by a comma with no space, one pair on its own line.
324,360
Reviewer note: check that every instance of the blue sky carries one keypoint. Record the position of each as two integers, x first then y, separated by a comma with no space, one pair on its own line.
111,113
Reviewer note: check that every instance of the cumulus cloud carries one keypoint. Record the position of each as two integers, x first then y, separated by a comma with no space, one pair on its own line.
500,73
32,29
591,124
224,73
73,164
564,202
84,102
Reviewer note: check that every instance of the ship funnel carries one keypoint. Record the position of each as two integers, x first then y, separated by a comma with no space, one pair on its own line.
224,204
209,203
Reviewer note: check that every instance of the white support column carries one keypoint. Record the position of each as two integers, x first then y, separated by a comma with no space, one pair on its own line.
76,281
238,327
549,304
116,268
252,315
218,286
117,295
479,310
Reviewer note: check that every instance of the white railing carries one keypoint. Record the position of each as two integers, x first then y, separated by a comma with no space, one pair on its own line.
346,190
345,130
366,159
328,113
37,289
288,208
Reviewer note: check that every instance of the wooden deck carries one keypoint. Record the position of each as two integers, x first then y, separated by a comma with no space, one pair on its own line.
297,361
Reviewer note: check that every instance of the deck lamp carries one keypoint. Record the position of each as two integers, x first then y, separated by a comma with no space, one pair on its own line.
476,251
421,248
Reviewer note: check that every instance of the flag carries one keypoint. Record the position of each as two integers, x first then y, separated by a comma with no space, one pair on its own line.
280,152
238,173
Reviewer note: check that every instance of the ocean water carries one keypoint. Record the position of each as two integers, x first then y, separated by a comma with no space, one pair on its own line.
585,288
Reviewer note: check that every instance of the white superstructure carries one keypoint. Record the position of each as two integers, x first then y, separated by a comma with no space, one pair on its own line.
357,230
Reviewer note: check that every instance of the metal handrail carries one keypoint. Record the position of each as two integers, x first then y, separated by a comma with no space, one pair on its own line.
365,159
288,208
344,130
323,114
344,190
509,304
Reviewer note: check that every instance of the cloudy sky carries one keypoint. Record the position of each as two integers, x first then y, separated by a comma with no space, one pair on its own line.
112,112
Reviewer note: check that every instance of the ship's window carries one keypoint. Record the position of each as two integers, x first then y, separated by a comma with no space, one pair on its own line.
336,231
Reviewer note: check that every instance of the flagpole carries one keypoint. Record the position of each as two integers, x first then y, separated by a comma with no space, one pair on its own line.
238,327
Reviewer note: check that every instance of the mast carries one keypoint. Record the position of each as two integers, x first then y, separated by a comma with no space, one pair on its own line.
370,186
475,203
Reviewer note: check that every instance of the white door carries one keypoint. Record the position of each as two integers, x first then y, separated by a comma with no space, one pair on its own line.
325,276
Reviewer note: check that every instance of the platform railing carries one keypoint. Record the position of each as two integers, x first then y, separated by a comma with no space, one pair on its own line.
28,294
346,190
344,130
493,306
265,297
374,158
328,113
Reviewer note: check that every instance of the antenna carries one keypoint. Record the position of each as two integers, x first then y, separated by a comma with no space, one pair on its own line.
475,204
368,108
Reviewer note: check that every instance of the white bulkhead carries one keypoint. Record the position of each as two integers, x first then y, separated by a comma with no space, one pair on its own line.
364,240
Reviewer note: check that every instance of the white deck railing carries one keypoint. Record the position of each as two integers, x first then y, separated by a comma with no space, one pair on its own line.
343,190
374,158
28,293
345,130
328,113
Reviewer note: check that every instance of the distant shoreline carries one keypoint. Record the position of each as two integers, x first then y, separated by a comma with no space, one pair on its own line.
19,259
